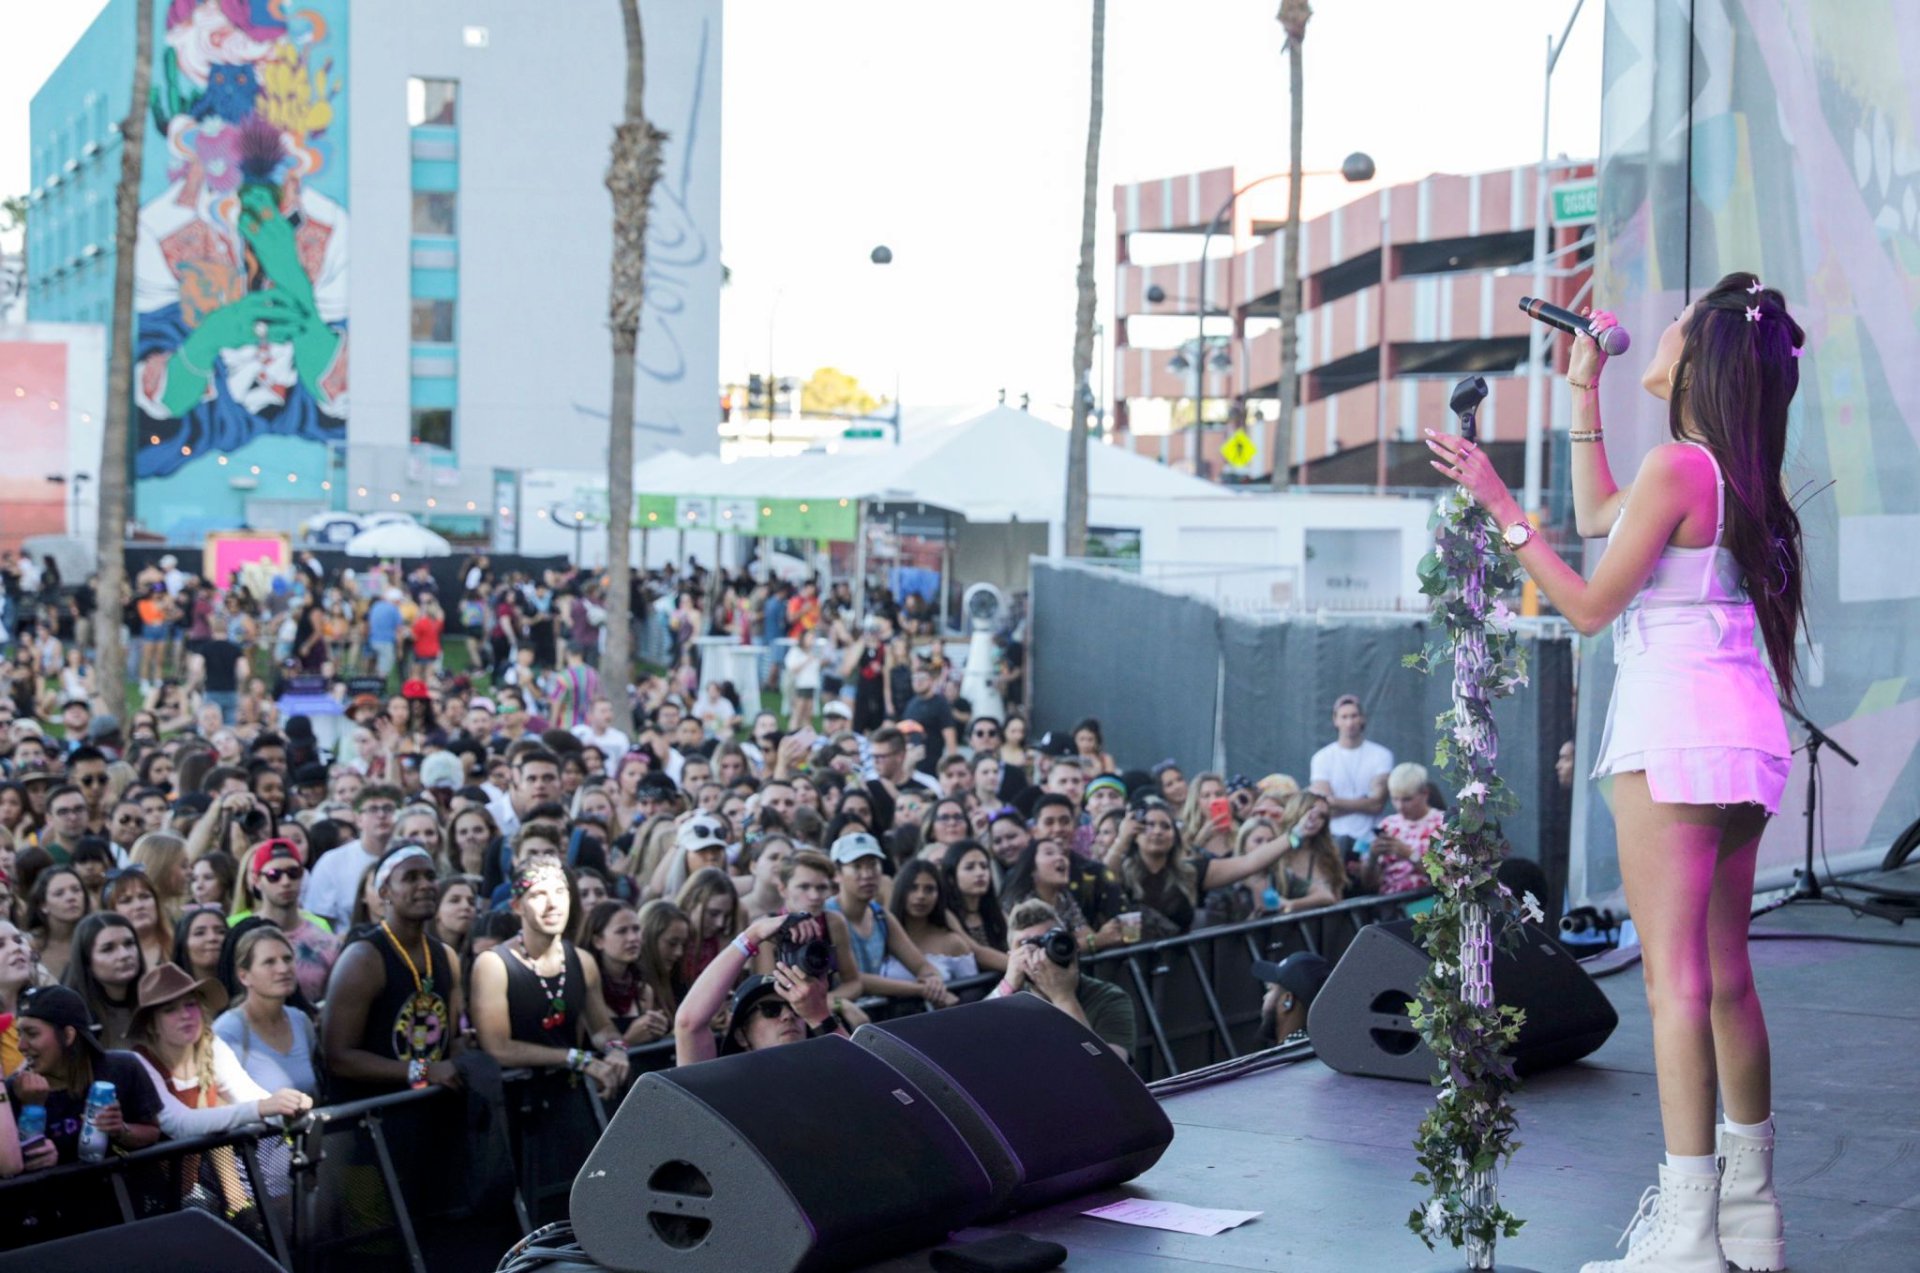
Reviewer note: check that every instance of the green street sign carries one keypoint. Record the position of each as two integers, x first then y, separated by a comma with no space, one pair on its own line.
1576,202
863,431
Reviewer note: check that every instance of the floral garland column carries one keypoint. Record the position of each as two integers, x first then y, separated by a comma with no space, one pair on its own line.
1469,1131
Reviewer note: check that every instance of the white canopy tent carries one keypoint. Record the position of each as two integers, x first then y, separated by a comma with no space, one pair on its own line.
1001,466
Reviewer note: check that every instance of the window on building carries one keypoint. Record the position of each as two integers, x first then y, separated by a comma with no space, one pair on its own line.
433,211
431,102
433,322
433,426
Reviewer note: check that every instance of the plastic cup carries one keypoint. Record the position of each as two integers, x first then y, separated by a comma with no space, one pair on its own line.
1130,927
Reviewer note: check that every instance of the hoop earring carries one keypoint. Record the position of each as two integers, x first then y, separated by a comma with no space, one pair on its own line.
1673,379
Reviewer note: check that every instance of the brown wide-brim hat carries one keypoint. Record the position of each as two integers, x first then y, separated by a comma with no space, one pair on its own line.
170,983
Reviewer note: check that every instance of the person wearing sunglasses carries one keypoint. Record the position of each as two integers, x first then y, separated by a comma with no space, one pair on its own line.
768,1010
270,888
87,770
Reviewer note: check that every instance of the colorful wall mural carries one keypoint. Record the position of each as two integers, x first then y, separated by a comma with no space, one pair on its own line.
1783,136
240,274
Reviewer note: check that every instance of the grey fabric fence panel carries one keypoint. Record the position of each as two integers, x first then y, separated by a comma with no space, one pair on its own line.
1282,679
1145,662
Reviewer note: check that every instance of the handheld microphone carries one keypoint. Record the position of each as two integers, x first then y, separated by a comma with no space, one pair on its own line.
1612,340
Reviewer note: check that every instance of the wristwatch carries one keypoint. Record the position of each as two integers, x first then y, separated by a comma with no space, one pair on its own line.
1518,535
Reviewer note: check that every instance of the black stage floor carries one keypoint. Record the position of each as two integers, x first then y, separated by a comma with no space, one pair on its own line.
1326,1158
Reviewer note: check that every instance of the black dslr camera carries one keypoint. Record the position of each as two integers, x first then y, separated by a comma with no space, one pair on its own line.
814,957
1058,944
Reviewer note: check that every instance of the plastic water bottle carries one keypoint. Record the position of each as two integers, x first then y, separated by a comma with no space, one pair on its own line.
93,1141
32,1122
1270,900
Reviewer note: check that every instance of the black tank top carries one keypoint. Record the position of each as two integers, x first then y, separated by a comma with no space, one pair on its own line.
531,1013
405,1023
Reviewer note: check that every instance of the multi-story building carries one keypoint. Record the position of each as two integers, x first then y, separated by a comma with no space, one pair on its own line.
1404,290
373,248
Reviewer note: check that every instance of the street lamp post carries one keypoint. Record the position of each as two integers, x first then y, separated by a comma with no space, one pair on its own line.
1357,167
579,527
1537,343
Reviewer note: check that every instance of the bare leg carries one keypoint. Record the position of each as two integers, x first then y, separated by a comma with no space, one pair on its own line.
1667,858
1739,1027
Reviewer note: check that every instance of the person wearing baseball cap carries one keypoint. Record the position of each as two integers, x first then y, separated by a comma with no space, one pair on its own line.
63,1061
270,888
882,949
1292,985
769,1010
702,841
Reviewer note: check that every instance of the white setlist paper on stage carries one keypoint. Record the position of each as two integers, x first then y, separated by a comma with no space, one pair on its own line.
1175,1216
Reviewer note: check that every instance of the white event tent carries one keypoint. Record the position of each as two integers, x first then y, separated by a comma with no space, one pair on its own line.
1000,476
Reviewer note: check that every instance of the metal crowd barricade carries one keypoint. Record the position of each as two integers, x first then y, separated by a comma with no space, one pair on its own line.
1196,1001
142,1184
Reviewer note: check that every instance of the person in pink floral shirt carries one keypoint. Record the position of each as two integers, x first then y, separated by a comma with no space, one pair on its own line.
1393,863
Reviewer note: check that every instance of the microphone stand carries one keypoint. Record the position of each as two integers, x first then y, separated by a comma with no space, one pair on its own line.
1886,903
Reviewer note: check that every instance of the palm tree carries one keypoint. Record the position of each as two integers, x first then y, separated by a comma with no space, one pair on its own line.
108,651
633,168
1076,535
1292,17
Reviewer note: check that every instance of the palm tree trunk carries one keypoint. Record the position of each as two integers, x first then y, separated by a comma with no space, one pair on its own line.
1076,529
1293,16
632,169
109,650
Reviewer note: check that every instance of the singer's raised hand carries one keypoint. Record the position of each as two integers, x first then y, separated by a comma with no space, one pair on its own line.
1586,362
1468,465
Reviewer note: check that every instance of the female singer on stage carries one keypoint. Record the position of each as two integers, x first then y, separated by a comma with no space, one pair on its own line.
1703,550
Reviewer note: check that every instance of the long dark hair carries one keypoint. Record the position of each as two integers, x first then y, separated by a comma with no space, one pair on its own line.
910,874
1735,377
79,976
993,920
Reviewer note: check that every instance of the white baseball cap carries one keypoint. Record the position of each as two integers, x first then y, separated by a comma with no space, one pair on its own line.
855,845
701,832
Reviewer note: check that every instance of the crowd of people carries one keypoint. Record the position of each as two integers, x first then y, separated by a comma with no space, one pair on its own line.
230,912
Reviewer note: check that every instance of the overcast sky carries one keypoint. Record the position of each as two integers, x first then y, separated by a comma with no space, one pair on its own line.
956,135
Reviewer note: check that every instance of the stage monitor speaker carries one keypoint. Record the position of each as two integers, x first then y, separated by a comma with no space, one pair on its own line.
1050,1109
1359,1025
815,1155
182,1242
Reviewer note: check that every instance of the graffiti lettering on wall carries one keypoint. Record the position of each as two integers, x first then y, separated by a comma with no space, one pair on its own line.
240,274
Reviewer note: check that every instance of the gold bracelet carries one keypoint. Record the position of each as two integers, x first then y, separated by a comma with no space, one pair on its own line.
1585,435
1583,388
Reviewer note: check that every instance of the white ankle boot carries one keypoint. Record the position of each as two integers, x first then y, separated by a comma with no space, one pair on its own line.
1751,1232
1674,1230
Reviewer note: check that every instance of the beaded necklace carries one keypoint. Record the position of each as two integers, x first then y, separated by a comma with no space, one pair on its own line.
555,989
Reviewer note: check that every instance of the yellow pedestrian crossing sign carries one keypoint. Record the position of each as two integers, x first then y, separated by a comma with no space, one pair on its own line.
1238,450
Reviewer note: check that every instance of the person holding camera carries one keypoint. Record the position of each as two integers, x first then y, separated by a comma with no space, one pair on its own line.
769,1010
1043,959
